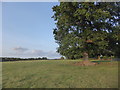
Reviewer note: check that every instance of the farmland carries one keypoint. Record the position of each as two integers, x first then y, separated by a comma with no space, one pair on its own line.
58,74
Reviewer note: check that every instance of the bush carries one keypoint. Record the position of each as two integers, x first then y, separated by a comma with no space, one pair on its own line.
62,58
108,57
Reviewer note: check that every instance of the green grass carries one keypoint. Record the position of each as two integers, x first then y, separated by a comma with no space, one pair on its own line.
0,75
58,74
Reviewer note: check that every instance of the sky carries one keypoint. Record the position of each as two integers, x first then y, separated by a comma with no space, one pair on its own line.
27,30
0,29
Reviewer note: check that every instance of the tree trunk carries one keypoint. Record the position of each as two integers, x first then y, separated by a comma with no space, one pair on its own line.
85,56
98,57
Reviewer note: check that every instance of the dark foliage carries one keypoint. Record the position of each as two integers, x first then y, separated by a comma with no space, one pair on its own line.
87,27
4,59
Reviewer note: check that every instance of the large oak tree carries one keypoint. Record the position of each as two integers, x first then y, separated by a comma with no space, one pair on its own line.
87,27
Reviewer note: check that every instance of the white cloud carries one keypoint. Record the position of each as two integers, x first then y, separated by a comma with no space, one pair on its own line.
25,52
50,54
38,52
20,49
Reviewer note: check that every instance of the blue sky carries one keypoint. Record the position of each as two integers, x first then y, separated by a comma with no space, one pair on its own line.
27,29
0,29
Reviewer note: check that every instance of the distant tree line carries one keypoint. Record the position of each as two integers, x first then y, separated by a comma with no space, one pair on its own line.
21,59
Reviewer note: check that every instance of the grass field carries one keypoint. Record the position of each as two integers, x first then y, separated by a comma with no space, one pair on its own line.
58,74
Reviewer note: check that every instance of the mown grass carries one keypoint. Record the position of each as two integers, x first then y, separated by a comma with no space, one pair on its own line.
0,75
58,74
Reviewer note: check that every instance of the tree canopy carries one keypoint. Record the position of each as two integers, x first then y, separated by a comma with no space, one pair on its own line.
90,27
